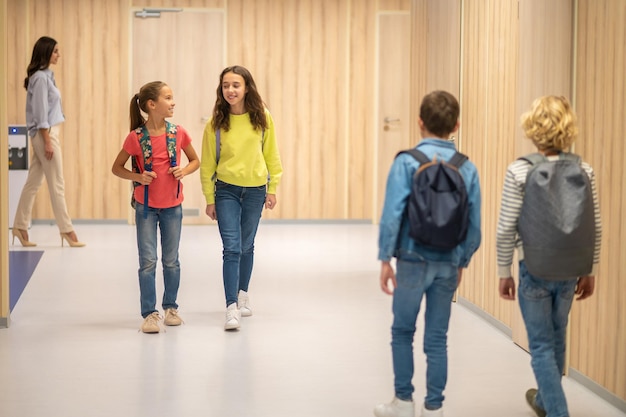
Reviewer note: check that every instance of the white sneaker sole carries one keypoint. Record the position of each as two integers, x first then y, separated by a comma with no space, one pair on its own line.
232,325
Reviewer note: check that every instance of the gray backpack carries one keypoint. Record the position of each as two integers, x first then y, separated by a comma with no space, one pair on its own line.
557,223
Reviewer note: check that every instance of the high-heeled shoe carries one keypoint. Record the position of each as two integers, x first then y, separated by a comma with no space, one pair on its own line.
72,243
17,233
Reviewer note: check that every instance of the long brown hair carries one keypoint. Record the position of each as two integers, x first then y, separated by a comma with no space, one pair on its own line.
42,51
252,101
150,91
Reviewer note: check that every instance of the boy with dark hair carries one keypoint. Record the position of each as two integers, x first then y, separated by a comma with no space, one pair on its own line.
423,271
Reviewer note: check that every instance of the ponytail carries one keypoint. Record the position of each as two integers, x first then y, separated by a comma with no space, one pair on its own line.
138,103
136,118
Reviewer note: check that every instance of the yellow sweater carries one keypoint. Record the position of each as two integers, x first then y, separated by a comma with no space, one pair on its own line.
246,156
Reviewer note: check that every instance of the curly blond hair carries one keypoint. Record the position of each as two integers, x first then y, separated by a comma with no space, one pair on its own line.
550,123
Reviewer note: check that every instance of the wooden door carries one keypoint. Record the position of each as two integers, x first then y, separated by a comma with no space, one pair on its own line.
185,50
394,69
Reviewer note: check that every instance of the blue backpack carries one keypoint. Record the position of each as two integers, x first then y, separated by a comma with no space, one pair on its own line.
438,208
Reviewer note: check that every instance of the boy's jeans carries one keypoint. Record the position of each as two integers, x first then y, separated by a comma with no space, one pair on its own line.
545,308
169,221
238,211
438,282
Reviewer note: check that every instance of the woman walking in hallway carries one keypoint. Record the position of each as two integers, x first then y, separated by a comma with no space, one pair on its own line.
43,117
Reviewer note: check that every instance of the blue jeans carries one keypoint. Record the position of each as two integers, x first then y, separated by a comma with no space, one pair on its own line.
438,282
545,307
169,221
238,211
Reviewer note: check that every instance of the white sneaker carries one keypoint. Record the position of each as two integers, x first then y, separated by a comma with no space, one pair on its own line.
396,408
432,413
243,302
233,317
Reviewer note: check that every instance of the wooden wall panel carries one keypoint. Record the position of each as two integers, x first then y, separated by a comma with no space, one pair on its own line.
503,61
444,46
545,67
419,65
179,3
93,41
359,133
304,85
4,171
17,43
318,85
436,52
395,5
598,336
473,135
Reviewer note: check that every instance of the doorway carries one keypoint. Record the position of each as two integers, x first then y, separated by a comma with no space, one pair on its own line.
184,49
393,87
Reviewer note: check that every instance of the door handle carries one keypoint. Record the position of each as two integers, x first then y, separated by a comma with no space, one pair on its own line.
388,120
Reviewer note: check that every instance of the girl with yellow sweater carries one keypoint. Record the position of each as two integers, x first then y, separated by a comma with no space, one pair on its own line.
240,170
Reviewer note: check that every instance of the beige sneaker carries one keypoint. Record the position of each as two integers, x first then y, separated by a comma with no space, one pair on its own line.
172,318
151,323
243,302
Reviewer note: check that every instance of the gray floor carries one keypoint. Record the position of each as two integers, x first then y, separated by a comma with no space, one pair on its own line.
317,344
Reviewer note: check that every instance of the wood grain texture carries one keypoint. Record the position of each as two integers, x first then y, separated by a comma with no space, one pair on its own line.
545,67
304,86
201,4
318,85
395,5
92,75
358,133
393,119
598,336
4,169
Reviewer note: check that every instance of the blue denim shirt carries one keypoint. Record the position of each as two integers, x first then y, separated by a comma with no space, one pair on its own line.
394,239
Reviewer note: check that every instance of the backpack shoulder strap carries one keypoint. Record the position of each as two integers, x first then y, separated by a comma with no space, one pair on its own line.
171,130
217,146
146,150
458,159
533,158
418,155
568,156
146,146
133,159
